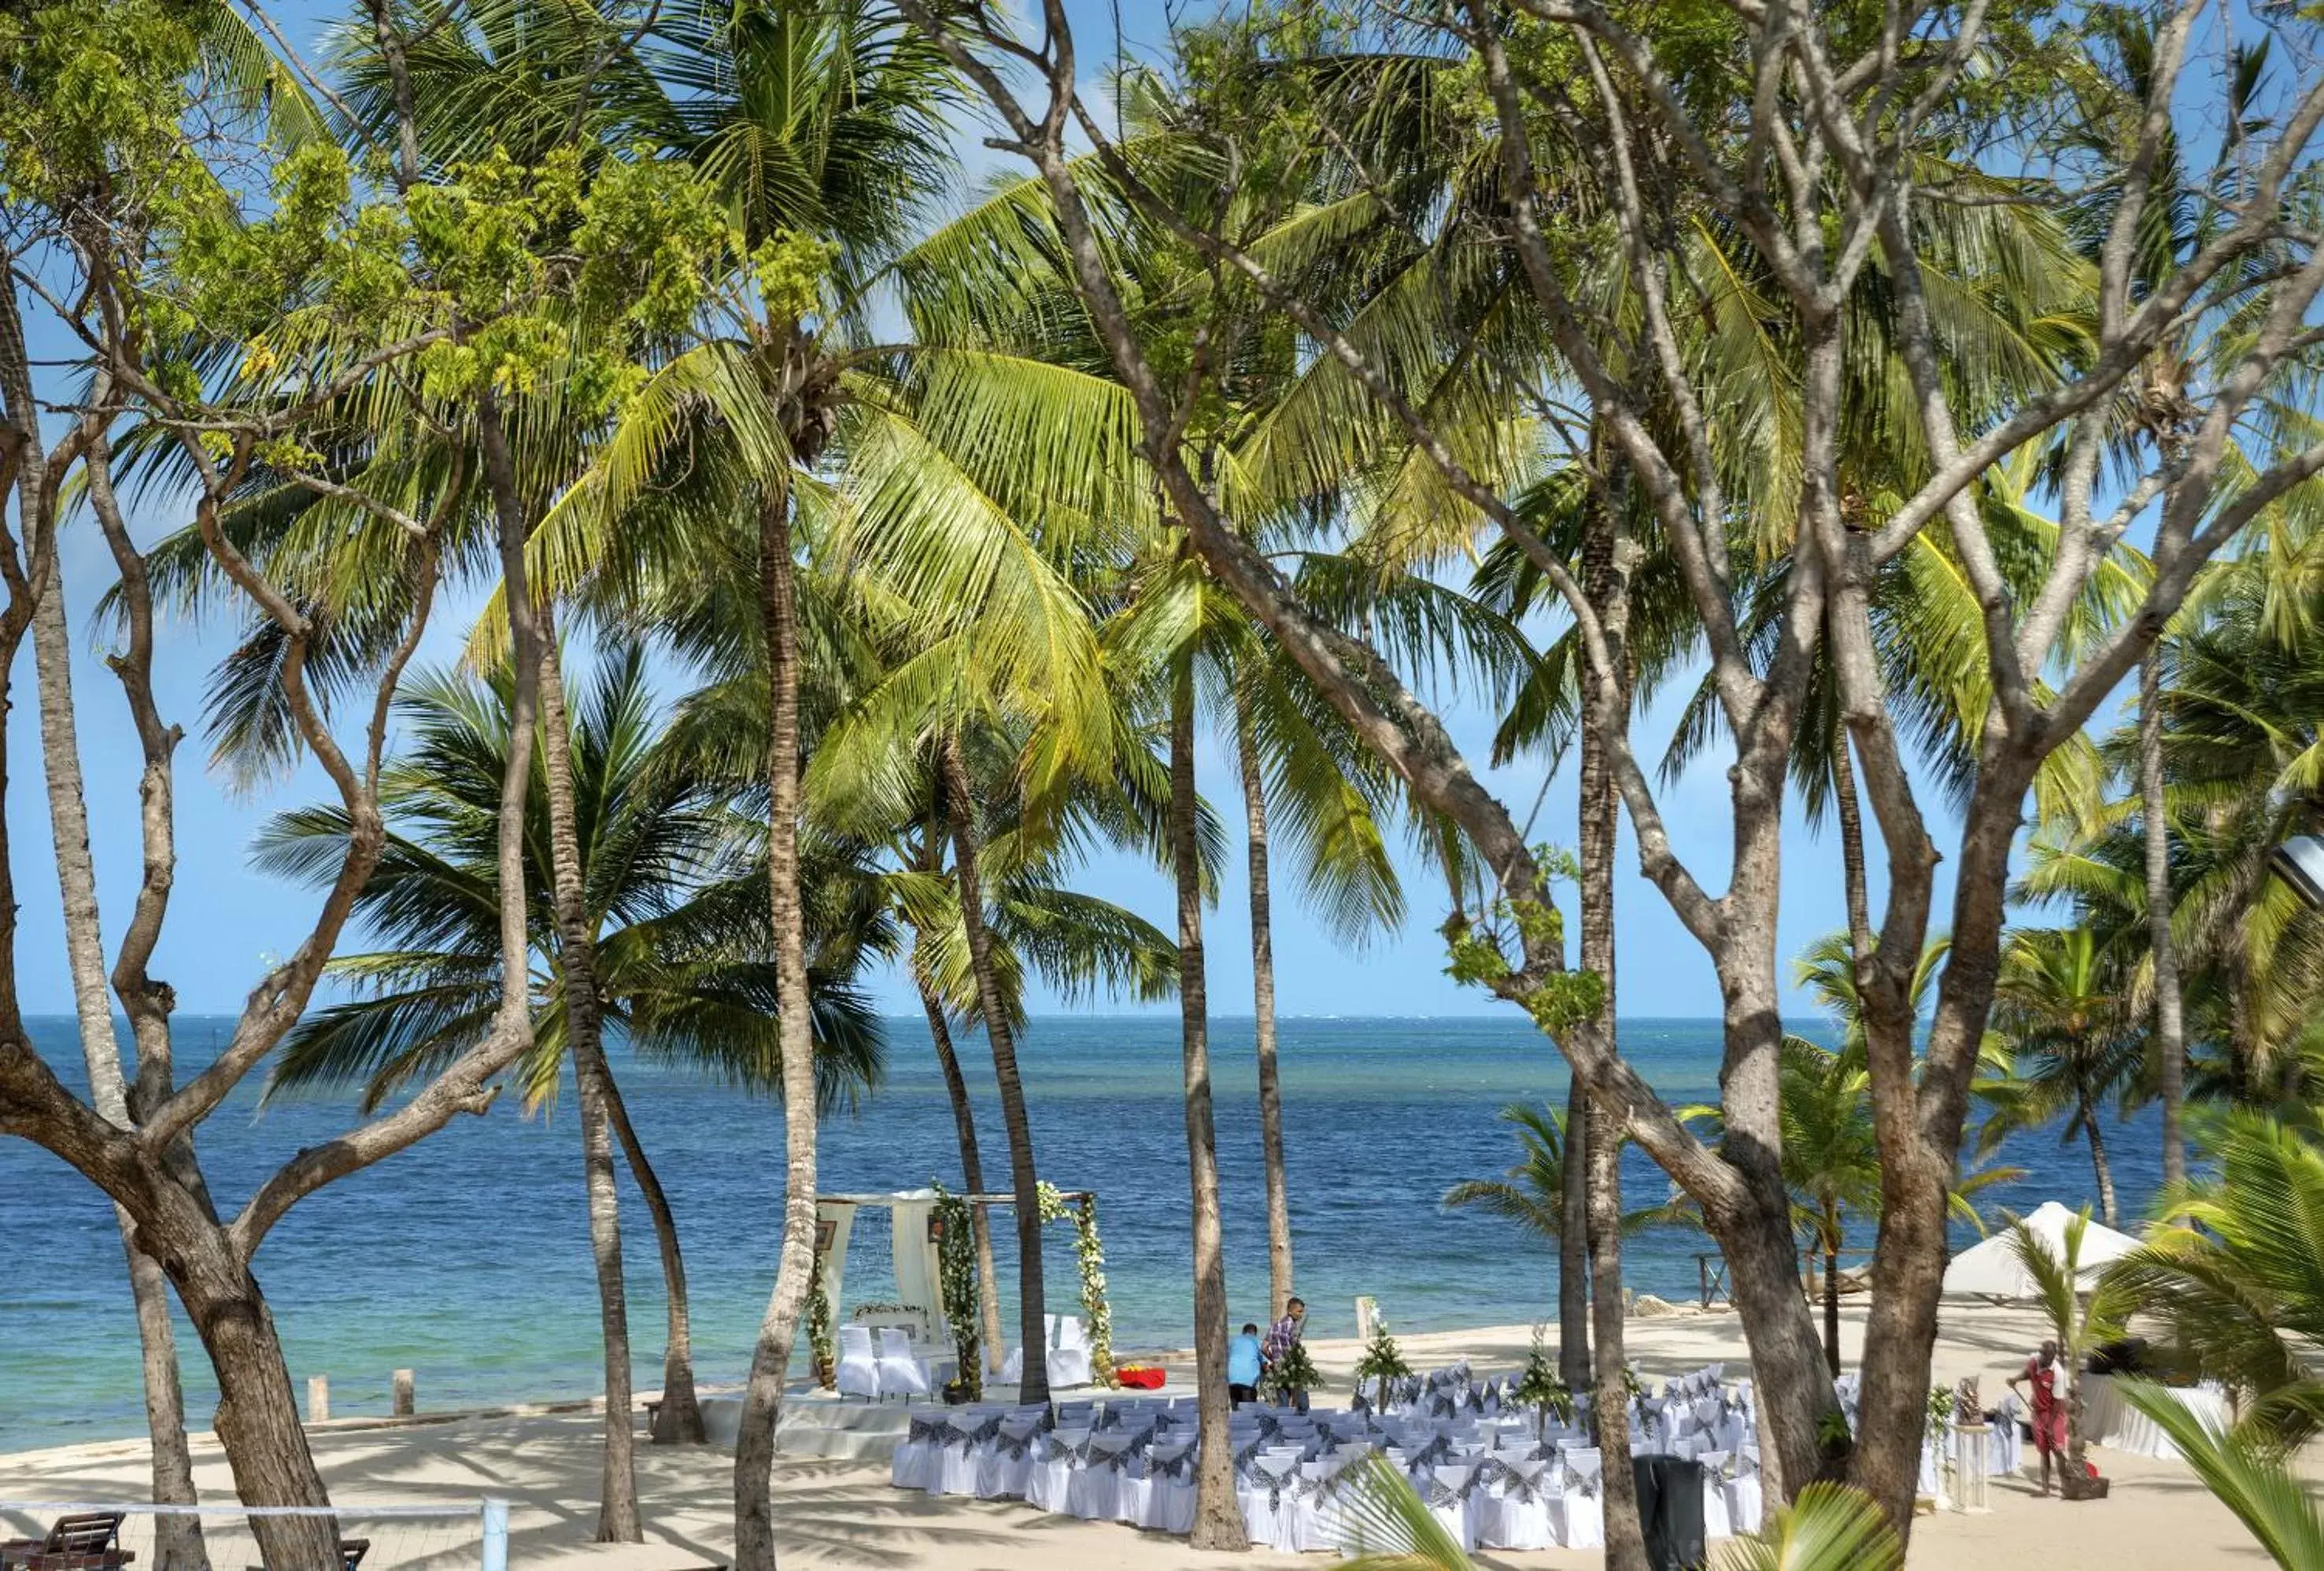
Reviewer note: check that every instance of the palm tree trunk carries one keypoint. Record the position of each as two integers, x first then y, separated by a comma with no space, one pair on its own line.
679,1422
1626,1540
754,1446
2169,1018
2101,1167
1573,1364
971,1169
1033,1385
178,1539
577,965
1830,1231
1262,988
1850,813
1606,568
1218,1518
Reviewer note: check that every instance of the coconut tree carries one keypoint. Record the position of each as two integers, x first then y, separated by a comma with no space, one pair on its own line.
673,912
2241,1288
2060,1006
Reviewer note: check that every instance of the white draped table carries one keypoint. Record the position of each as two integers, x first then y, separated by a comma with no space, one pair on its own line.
2109,1422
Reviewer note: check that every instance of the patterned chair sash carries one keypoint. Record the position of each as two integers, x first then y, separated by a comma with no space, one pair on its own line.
1015,1447
925,1430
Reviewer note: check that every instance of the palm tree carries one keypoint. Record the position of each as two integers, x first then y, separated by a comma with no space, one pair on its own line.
2060,1006
1831,1158
1530,1193
666,895
2285,1511
2241,1287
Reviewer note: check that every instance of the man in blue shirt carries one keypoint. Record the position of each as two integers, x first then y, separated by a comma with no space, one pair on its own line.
1242,1365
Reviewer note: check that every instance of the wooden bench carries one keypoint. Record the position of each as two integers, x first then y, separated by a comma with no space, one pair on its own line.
87,1542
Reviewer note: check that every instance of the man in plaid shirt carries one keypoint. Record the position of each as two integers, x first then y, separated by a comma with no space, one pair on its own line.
1281,1338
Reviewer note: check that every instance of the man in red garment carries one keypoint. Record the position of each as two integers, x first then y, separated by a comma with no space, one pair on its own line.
2040,1373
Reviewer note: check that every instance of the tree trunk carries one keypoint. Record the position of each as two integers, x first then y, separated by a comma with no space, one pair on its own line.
257,1418
1573,1365
177,1540
679,1422
754,1446
1831,1297
1626,1543
1218,1517
971,1169
1025,1184
577,965
1262,988
2170,1019
2100,1168
1851,848
1594,1135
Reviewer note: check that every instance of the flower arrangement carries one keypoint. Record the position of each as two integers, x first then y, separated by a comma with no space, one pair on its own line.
1292,1373
1540,1387
1091,1254
956,1277
1941,1411
1382,1361
818,1331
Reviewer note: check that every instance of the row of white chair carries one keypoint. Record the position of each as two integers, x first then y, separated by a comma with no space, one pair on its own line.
1066,1354
891,1369
1491,1486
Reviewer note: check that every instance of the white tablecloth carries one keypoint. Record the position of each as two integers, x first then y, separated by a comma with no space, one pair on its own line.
2109,1422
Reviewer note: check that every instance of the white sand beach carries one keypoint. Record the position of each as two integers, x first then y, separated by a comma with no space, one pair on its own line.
844,1513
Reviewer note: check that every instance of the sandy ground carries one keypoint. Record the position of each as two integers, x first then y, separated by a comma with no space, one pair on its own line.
841,1513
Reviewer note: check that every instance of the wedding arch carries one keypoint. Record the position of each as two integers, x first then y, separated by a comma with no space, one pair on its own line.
932,1248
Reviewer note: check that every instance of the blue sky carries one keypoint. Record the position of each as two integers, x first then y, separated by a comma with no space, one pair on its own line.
227,921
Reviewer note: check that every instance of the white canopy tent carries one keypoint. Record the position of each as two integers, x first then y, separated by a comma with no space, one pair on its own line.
1991,1269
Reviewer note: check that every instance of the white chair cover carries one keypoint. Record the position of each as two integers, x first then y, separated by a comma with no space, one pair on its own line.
1004,1464
1580,1508
966,1432
859,1366
1094,1493
1167,1493
900,1374
1513,1507
1715,1523
1743,1501
917,1461
1049,1480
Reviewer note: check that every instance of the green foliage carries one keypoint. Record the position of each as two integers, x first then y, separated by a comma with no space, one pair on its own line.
92,92
2242,1288
819,1329
1540,1387
1291,1372
956,1268
2284,1510
1089,1254
1827,1527
684,968
1381,1361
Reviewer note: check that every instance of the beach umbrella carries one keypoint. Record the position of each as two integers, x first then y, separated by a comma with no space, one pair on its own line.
1992,1270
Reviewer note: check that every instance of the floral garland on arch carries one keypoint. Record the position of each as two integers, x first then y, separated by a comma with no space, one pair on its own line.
1090,1252
818,1330
956,1278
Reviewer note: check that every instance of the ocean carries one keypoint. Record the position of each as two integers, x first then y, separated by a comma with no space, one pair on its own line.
465,1258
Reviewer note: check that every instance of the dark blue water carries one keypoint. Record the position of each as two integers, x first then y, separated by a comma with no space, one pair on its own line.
465,1258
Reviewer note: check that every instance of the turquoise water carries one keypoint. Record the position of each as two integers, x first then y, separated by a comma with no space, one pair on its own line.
465,1258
